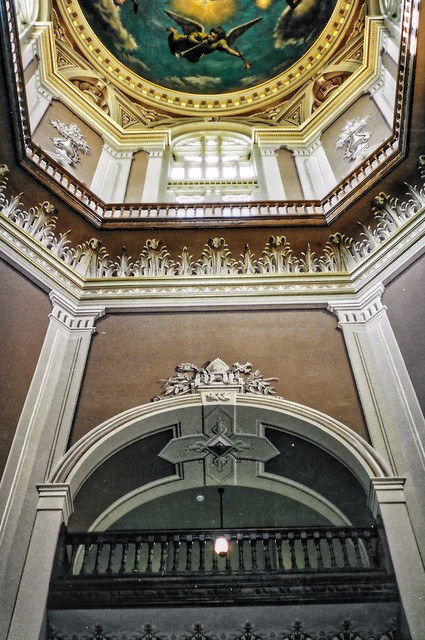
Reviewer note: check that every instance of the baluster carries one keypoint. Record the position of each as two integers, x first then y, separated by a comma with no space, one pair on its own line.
112,546
188,553
97,560
124,551
355,539
291,541
344,548
228,565
151,544
176,544
83,570
329,540
137,550
74,548
214,559
163,554
266,542
316,537
240,553
305,550
201,553
372,549
253,541
278,539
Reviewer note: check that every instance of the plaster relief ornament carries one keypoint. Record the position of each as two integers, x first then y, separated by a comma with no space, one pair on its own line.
190,378
68,144
354,140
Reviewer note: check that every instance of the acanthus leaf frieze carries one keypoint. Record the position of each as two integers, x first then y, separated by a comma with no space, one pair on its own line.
341,255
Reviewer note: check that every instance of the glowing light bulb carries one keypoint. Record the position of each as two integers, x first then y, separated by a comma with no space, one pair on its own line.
221,546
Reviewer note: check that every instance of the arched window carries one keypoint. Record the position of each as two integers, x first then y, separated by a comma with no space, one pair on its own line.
212,167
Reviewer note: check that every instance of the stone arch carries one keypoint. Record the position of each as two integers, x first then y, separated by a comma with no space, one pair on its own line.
336,439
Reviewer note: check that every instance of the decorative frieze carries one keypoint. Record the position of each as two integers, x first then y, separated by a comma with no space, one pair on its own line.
91,260
199,632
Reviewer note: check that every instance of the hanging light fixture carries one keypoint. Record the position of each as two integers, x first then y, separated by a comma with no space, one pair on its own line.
221,544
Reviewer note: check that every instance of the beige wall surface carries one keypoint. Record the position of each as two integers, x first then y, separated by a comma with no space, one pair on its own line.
130,355
23,323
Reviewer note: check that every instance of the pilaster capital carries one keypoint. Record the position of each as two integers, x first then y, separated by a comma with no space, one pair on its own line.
358,309
73,316
55,497
118,154
385,491
306,149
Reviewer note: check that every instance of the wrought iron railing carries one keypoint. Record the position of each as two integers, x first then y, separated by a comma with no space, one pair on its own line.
252,551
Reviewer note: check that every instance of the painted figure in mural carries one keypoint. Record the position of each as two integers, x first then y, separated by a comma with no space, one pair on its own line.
194,42
118,3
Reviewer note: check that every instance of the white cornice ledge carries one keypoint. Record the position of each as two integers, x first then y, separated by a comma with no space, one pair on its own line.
156,280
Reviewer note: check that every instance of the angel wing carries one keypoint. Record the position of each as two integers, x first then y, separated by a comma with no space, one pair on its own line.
238,31
187,25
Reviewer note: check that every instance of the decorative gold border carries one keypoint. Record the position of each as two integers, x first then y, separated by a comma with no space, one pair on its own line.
207,104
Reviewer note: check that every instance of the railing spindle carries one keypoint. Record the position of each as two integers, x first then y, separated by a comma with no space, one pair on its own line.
305,550
278,538
151,544
97,560
266,543
240,552
329,540
201,553
291,542
176,544
253,542
188,553
163,554
112,546
137,551
316,538
124,551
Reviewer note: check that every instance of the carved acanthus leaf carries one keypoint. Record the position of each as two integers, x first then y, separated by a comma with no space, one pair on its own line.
340,254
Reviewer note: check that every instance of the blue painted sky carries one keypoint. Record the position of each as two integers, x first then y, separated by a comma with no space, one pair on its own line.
272,45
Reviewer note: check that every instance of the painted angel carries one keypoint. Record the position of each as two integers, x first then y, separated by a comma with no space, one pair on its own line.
194,42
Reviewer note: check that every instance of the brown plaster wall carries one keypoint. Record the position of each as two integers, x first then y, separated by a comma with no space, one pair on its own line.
130,354
23,324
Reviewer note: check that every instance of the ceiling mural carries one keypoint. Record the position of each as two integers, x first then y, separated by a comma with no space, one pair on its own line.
208,46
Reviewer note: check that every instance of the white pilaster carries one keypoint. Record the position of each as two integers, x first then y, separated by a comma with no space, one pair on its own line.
269,175
111,176
41,436
154,189
38,100
314,170
383,93
392,412
54,508
388,501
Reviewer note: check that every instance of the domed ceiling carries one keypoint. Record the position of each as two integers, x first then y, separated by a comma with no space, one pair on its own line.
297,80
172,43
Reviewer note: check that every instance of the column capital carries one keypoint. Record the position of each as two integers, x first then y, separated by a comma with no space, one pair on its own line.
55,497
358,309
75,317
386,491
